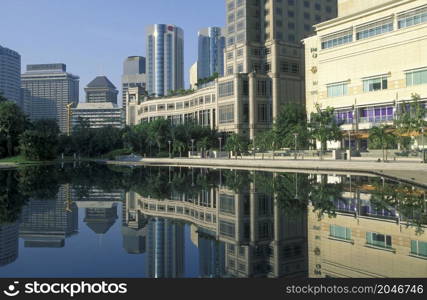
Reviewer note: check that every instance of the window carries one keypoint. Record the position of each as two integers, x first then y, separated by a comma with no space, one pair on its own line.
240,68
230,70
337,40
377,114
264,113
412,18
340,232
374,29
239,52
291,25
230,18
229,55
306,4
419,248
226,114
226,89
245,88
416,77
375,84
262,88
344,117
291,14
317,6
337,89
291,38
230,41
379,240
226,228
226,204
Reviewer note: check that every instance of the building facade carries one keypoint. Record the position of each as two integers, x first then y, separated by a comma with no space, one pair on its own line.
50,90
101,90
367,63
134,75
193,76
10,75
210,52
97,115
264,64
165,59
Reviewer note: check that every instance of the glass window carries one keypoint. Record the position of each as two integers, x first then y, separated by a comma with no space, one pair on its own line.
226,204
375,84
337,89
416,77
379,240
374,29
226,89
337,40
419,248
340,232
412,18
226,114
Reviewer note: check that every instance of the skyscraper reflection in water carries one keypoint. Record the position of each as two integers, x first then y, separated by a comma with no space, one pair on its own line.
8,243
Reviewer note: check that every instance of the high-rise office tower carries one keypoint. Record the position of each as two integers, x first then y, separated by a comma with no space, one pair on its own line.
165,59
51,89
263,38
101,90
211,52
133,76
10,75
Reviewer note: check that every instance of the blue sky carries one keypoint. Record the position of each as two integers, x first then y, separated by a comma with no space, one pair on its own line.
93,37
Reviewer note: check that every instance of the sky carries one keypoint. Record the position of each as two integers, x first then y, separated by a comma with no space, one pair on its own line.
94,37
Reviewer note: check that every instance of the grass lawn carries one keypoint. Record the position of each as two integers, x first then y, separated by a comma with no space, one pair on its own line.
20,159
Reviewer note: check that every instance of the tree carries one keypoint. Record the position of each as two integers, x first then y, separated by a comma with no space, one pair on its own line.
236,143
40,142
178,146
410,119
13,123
292,119
324,126
264,141
383,136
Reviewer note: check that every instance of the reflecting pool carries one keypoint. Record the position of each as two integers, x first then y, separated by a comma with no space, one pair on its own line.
91,220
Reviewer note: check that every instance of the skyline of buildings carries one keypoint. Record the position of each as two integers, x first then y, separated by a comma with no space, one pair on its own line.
10,75
134,75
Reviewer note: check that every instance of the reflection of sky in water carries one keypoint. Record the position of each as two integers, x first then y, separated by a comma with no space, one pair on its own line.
87,254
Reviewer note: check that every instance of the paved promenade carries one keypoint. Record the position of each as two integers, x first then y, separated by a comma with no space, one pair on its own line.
409,171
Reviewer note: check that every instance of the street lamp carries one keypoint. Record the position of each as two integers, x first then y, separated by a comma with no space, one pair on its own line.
296,142
192,145
170,154
424,152
220,144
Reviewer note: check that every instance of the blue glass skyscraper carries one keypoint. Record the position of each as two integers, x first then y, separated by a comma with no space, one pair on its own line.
211,52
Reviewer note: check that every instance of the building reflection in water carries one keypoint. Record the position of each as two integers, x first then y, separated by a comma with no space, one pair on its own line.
47,222
9,234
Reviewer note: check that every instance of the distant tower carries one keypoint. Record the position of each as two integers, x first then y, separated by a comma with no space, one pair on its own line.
101,90
50,90
10,75
211,52
165,59
133,76
9,234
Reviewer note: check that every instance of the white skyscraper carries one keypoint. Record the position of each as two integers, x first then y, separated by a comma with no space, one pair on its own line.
165,59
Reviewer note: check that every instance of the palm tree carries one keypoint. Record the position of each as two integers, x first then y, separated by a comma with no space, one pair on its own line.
178,146
383,136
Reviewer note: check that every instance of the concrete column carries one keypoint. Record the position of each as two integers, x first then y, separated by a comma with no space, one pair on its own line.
211,118
275,96
238,106
252,104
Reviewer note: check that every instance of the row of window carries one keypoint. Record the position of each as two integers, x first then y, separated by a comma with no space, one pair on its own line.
415,77
418,248
404,20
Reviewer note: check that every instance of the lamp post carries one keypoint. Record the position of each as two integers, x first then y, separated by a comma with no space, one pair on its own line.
192,145
296,143
422,138
170,154
220,144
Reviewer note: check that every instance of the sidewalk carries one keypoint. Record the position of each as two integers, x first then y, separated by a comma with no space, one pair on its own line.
413,172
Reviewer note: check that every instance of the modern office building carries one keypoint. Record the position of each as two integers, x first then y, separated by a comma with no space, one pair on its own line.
264,68
10,75
101,90
100,109
210,52
165,59
134,75
9,235
51,89
97,115
367,63
48,222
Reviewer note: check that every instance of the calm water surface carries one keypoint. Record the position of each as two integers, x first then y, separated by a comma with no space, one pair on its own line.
92,220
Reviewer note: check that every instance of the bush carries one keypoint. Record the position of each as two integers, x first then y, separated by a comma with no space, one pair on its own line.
163,154
119,152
